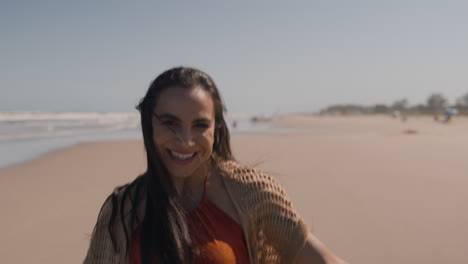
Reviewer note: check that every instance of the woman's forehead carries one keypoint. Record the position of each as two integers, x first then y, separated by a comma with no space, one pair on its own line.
185,103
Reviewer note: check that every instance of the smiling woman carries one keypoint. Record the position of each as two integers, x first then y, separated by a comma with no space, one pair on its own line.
184,132
195,203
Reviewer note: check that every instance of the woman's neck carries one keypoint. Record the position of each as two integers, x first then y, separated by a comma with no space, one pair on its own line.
190,189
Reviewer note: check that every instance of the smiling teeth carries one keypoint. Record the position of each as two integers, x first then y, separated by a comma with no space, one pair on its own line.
181,156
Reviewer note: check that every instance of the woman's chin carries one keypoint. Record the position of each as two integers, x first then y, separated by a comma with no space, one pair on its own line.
181,173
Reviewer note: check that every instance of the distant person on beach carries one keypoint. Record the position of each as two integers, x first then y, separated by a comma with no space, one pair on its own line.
397,114
449,113
195,203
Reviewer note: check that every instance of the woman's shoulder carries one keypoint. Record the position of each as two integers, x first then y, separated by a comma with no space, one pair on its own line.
264,204
122,196
108,237
244,174
249,183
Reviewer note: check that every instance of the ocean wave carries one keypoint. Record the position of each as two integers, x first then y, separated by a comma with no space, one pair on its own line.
35,125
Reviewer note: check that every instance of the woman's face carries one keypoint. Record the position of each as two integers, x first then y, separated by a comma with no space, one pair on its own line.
183,130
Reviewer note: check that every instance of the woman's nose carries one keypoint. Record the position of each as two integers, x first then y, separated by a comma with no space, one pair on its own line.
186,137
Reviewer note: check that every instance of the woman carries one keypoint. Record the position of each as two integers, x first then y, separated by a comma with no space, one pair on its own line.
194,203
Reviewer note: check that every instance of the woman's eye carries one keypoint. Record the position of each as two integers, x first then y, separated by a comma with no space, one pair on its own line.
202,125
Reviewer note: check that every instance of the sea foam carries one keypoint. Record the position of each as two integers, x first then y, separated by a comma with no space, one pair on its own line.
36,125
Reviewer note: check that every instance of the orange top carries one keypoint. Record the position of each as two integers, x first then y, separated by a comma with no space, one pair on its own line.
219,237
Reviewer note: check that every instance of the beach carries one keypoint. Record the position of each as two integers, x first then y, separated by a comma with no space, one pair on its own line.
372,188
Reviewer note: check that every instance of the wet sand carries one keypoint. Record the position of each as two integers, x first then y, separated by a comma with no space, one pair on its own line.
374,189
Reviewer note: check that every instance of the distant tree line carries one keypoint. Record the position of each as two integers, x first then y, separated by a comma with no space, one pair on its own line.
435,104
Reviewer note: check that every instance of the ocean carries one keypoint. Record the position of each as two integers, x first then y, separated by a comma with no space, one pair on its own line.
26,135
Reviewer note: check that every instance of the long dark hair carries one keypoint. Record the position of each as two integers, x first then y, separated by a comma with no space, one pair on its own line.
165,232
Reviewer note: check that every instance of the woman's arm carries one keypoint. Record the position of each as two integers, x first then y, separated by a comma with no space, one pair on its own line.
315,252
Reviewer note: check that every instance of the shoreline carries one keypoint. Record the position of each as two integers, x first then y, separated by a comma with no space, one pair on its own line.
296,123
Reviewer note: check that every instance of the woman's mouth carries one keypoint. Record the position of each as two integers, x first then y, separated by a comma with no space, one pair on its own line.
181,157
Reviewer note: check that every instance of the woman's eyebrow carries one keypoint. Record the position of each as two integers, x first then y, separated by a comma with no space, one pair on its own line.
173,117
202,119
166,116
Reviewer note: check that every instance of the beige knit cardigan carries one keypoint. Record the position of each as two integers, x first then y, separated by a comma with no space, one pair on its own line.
273,231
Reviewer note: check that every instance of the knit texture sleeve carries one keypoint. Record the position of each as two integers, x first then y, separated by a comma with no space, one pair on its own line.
101,249
283,229
274,230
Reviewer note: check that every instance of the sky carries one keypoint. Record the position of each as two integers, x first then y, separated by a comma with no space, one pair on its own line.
265,56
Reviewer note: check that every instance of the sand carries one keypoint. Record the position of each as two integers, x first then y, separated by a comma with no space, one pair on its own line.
374,189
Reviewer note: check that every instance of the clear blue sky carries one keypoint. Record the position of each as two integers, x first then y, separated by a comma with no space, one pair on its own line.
265,56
